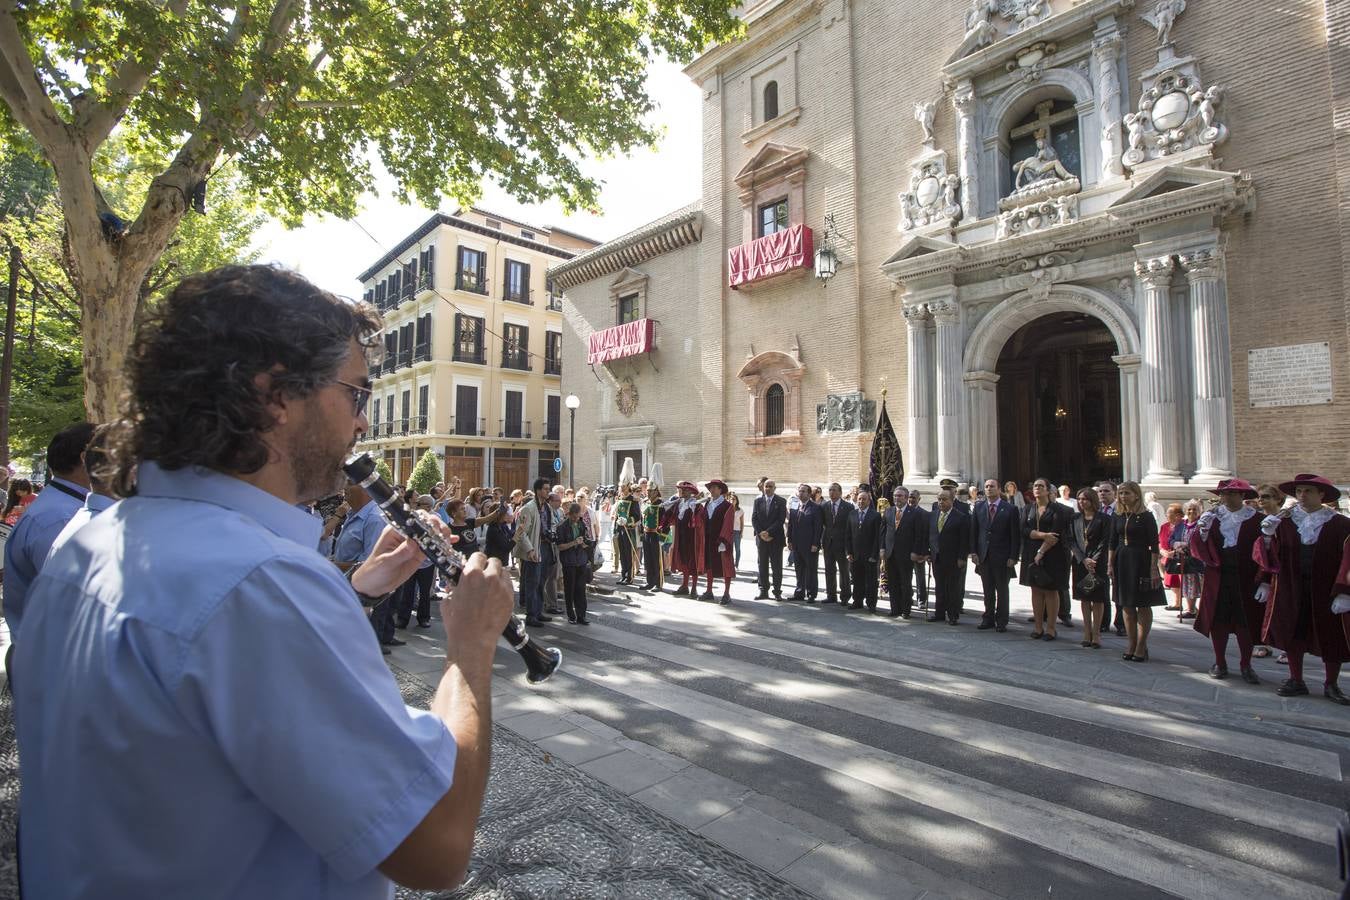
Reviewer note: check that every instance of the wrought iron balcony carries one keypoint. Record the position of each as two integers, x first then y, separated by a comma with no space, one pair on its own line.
555,302
468,427
552,366
508,428
390,363
473,283
417,425
405,358
551,430
470,355
421,352
424,280
516,359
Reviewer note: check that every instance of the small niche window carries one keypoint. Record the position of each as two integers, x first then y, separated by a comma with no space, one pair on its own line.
770,101
773,410
628,309
1057,119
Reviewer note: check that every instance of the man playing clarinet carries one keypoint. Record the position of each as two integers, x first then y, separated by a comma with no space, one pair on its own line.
226,680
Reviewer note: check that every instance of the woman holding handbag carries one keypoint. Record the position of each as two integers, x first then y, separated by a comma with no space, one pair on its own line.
1045,560
1091,531
1133,563
569,539
1192,569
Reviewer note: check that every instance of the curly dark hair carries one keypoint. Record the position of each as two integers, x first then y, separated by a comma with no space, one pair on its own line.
191,398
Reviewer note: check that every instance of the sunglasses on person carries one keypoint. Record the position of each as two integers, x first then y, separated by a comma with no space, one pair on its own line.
360,396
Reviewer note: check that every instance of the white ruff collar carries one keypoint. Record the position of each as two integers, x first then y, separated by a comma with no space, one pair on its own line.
1310,523
1231,522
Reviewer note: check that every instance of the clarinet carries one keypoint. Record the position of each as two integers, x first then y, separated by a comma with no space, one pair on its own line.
540,662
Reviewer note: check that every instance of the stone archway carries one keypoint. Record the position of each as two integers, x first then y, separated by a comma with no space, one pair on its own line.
986,344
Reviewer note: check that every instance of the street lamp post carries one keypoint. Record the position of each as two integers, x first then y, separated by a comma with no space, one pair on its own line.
572,401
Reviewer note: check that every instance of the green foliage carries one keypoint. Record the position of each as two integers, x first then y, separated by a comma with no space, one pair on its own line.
305,95
48,390
426,473
385,472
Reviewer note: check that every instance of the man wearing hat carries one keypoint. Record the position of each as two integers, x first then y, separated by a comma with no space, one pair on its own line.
1301,556
681,514
949,484
718,520
1223,541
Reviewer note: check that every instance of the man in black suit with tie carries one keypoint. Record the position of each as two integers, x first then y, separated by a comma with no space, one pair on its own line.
767,520
836,513
864,550
948,484
996,543
921,567
904,538
949,544
806,529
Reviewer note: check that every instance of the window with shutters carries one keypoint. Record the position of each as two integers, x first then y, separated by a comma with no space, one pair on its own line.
552,353
423,401
630,308
405,407
466,410
773,411
427,258
513,424
422,338
375,417
552,425
471,275
388,413
515,347
405,345
517,281
395,281
469,339
390,351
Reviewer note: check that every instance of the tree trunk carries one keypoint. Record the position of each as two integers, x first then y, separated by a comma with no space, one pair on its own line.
108,325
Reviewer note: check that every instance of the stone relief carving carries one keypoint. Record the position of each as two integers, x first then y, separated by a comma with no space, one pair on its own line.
1041,167
1163,18
1039,215
933,196
980,22
1019,15
924,114
842,413
1045,262
1175,114
626,399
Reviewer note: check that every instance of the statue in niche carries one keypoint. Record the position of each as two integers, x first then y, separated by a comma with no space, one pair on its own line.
1207,104
1025,12
1135,123
924,114
1164,18
1042,166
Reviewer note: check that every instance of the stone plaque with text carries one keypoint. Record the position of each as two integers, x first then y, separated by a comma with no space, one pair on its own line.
1298,375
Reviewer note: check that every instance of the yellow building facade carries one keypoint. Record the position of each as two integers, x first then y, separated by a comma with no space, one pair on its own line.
472,341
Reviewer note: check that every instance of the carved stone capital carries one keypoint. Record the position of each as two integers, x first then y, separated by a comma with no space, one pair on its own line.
1105,47
945,312
1155,273
963,98
915,315
1203,264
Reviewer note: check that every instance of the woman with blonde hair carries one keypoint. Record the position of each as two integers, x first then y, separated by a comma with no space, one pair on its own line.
1133,565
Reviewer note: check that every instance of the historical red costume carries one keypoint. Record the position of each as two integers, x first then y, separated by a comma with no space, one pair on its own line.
681,514
1302,560
1224,542
718,561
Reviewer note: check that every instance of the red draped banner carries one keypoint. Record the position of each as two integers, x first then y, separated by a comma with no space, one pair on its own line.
628,339
773,254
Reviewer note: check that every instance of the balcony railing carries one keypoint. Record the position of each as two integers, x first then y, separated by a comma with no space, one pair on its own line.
523,297
555,302
507,428
468,427
390,363
470,355
405,357
787,252
409,289
424,280
468,281
552,366
374,372
516,359
421,352
551,430
417,425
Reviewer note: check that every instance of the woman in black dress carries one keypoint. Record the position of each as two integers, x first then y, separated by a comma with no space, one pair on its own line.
1091,534
1045,561
1134,566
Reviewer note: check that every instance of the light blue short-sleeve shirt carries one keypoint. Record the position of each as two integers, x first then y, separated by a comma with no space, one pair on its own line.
27,548
202,709
359,534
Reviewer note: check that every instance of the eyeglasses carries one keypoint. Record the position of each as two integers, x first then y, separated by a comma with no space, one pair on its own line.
360,396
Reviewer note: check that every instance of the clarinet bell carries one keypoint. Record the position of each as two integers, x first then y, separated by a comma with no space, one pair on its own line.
540,662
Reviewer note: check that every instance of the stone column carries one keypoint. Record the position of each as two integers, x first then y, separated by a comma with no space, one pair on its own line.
949,374
964,101
920,398
1158,373
1130,452
1106,78
1213,400
982,405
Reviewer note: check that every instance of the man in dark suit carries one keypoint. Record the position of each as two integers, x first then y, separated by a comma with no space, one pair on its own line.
921,567
864,550
948,484
996,543
806,529
835,513
904,538
949,544
767,520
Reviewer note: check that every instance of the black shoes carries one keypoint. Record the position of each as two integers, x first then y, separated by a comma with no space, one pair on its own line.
385,650
1000,628
725,601
1333,693
1217,671
761,596
829,600
423,624
394,642
531,622
1250,677
707,595
984,626
545,617
1292,688
682,591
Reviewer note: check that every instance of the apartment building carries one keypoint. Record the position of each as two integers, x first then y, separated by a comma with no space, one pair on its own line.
472,359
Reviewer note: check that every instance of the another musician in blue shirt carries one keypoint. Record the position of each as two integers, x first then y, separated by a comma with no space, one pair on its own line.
200,709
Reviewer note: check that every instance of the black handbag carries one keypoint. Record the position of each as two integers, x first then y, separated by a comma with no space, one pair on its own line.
1175,564
1039,577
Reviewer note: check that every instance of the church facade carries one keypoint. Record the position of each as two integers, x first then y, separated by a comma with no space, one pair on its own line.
1094,239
